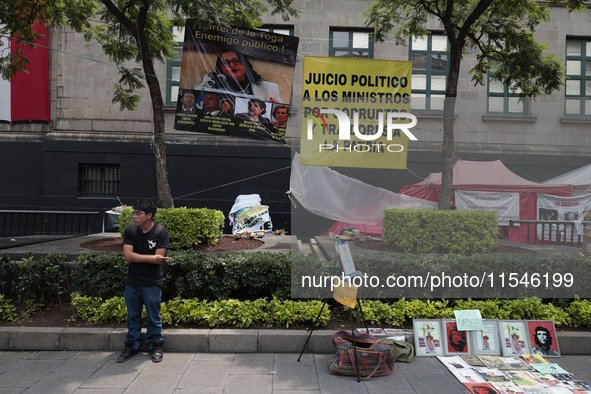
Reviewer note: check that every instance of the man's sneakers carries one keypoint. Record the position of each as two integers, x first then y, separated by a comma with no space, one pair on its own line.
128,353
157,351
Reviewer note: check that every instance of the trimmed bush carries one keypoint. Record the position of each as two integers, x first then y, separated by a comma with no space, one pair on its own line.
40,279
217,313
440,231
187,227
192,275
101,274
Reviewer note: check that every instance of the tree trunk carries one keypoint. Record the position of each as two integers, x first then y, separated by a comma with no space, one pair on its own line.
162,187
447,149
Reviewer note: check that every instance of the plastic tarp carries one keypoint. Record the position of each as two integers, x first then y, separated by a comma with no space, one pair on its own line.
579,179
488,176
327,193
247,213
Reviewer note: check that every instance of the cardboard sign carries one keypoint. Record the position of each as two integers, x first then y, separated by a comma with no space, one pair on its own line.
346,258
345,294
469,320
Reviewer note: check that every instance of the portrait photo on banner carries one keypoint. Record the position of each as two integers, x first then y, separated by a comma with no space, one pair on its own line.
241,80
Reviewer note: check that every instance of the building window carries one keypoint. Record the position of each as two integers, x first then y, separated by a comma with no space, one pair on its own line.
578,82
429,58
98,180
502,100
173,68
348,43
285,30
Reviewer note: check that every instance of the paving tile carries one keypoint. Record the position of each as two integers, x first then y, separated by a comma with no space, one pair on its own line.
420,365
397,392
252,364
395,381
224,357
99,391
296,392
440,384
196,391
27,373
290,375
114,375
156,384
59,383
320,360
18,390
10,359
330,384
292,357
53,355
246,384
205,375
176,363
85,361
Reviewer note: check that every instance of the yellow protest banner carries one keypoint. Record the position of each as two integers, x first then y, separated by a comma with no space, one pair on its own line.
356,112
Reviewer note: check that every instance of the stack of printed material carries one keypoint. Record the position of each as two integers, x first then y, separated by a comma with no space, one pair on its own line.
513,375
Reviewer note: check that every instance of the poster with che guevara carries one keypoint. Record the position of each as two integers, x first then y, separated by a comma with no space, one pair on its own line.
236,82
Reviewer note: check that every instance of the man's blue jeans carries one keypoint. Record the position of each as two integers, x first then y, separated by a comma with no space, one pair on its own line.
135,298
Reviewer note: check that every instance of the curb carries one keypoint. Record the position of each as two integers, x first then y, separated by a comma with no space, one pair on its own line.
184,340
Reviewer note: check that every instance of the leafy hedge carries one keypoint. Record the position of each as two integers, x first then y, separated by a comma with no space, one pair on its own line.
192,274
187,227
481,265
440,231
401,312
217,313
277,312
246,275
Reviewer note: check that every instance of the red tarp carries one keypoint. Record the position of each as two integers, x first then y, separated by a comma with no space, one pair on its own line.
489,176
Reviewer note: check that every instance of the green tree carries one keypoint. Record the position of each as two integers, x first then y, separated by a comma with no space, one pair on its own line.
129,31
499,32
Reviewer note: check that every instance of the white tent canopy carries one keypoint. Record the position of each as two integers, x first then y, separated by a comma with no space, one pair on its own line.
331,195
580,179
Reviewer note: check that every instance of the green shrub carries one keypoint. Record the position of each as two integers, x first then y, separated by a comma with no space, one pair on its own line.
8,311
580,313
489,309
534,309
440,231
221,313
187,227
40,279
101,274
4,262
192,275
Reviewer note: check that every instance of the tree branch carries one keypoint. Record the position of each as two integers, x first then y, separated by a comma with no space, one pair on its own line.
124,20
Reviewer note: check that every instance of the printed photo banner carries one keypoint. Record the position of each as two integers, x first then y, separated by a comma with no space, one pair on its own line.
236,82
550,207
351,114
504,205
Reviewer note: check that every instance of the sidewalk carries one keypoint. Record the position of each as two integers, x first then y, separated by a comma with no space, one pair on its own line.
97,372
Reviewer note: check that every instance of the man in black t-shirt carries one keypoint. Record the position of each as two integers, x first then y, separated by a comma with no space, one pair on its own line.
144,246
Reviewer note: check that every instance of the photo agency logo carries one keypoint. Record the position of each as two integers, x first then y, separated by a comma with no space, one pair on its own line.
364,132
